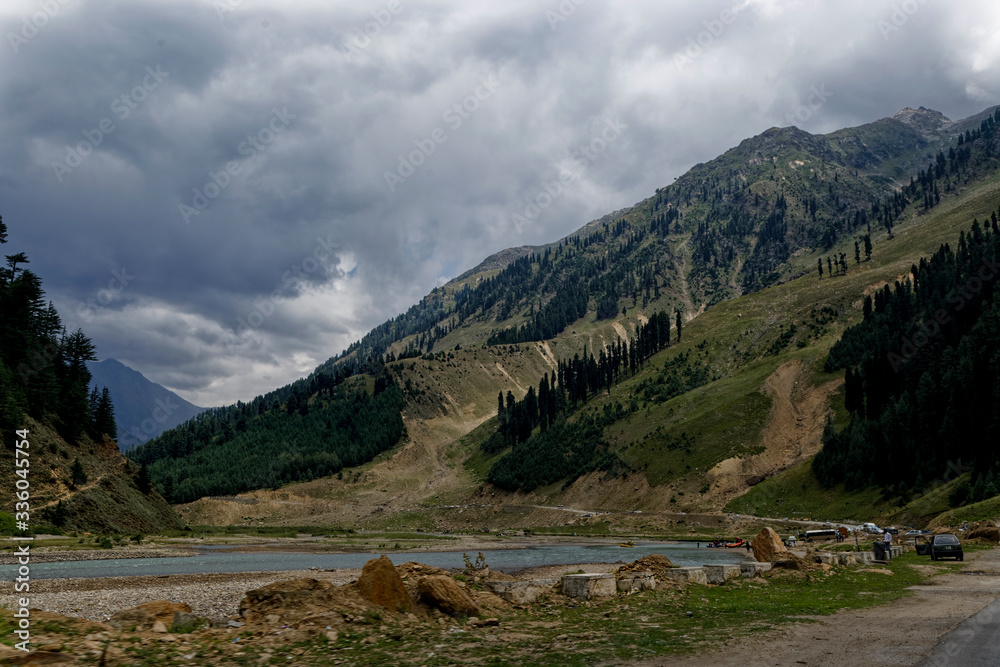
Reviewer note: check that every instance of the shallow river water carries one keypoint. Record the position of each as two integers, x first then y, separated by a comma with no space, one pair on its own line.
505,560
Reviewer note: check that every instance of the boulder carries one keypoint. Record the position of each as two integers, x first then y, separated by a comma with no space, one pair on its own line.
146,615
294,597
443,592
381,584
768,547
984,530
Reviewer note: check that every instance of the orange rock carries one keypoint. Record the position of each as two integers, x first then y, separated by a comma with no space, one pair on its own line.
380,584
768,547
292,597
442,592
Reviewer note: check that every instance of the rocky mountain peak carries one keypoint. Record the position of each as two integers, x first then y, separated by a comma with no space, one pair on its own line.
926,121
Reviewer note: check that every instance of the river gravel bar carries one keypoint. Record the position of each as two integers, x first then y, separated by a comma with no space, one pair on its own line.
215,596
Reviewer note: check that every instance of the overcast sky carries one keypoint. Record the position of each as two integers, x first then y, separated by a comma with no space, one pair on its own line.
224,194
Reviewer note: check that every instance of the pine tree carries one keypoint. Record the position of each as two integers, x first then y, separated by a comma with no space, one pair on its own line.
820,266
77,474
143,481
857,253
868,247
678,326
104,416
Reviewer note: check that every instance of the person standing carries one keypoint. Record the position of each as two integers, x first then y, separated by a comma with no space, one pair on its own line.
887,540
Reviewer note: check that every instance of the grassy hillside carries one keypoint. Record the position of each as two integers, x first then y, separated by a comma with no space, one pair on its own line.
107,501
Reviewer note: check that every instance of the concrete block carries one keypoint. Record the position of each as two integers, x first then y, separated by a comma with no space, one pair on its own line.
720,574
828,558
846,558
897,551
749,570
587,586
632,582
864,557
687,575
522,592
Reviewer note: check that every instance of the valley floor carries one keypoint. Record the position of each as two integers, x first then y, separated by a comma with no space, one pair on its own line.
759,621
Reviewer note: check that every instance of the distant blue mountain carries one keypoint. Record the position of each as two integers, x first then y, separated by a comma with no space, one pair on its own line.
143,409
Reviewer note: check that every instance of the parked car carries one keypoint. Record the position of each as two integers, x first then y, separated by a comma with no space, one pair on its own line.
939,546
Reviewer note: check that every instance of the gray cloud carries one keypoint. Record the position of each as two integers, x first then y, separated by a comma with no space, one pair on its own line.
356,87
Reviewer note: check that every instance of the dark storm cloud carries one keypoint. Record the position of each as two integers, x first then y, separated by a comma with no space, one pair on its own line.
265,181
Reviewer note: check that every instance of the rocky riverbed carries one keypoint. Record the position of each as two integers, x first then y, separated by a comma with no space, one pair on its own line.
214,596
48,555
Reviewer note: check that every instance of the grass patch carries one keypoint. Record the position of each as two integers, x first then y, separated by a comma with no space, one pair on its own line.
987,510
797,494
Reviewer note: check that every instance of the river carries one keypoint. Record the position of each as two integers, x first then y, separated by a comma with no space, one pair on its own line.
504,560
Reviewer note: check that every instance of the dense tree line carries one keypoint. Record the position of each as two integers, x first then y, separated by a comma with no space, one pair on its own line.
677,376
231,450
564,451
568,305
921,374
558,395
43,371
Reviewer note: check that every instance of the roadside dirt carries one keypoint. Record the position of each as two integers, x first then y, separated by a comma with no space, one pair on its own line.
896,634
792,434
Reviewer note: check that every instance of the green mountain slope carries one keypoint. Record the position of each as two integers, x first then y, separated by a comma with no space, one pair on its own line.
734,246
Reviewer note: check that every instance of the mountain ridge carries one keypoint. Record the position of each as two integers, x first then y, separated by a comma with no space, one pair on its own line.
736,237
143,408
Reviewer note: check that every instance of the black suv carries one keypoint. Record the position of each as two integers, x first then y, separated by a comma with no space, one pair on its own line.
940,546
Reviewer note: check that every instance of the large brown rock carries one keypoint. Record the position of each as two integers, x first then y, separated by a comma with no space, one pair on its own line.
380,584
443,592
986,531
290,598
146,615
768,547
